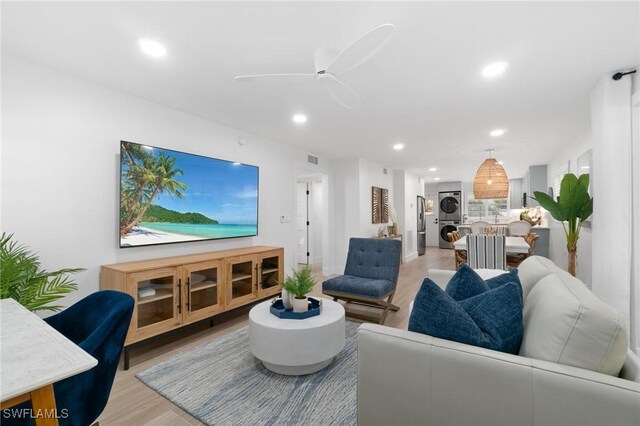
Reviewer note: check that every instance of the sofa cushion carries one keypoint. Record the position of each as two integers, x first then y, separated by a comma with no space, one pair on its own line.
565,323
491,319
349,284
533,269
467,282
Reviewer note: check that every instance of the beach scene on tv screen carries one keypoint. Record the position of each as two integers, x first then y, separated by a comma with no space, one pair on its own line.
168,197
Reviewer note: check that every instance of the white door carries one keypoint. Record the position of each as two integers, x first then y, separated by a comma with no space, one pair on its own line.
432,220
316,203
635,259
302,236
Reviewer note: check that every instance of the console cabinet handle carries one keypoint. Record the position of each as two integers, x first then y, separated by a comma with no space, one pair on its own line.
180,295
188,293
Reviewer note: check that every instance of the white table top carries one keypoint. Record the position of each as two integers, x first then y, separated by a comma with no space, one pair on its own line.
513,244
502,225
33,354
330,313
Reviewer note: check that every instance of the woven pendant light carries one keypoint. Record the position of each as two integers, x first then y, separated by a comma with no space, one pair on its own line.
491,180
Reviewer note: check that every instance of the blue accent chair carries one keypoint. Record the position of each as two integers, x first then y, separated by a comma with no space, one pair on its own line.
370,275
98,324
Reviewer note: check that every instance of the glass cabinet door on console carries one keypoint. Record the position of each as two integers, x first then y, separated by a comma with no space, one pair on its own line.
271,266
202,290
242,274
158,299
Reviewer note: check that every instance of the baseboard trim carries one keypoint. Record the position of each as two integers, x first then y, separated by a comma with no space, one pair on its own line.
409,257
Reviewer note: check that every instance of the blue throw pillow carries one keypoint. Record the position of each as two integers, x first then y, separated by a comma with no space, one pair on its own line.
467,283
491,319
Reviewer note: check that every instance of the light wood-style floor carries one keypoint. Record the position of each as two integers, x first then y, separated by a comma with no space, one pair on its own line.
133,403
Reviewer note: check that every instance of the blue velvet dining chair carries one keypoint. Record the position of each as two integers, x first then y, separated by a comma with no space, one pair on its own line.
98,324
370,275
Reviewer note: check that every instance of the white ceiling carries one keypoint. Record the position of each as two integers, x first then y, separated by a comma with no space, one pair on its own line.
423,89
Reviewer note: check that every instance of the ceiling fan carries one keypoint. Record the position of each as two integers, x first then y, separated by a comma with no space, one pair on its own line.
330,64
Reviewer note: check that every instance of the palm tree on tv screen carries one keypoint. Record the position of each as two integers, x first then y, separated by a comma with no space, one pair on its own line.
146,176
137,182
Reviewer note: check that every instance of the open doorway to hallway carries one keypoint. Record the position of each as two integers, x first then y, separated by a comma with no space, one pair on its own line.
311,220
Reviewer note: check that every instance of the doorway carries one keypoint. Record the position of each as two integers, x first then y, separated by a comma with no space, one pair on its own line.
302,224
311,221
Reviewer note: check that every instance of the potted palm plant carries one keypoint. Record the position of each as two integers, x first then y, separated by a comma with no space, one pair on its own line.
299,285
573,206
24,280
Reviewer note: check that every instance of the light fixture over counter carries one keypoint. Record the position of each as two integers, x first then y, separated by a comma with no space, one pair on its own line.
491,180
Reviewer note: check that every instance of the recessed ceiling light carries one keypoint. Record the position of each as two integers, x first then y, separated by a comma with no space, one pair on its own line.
495,69
436,178
299,118
152,47
398,146
433,169
497,132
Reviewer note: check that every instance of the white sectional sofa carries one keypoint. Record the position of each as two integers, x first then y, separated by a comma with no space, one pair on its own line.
573,346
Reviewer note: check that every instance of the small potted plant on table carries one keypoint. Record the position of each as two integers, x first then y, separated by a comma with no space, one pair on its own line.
298,286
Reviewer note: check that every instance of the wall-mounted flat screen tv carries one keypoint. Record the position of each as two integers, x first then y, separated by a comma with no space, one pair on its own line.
168,196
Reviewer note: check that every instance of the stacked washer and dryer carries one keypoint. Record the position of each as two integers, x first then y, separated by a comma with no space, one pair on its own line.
449,215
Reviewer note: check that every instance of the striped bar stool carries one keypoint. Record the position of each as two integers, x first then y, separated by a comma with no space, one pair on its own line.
486,252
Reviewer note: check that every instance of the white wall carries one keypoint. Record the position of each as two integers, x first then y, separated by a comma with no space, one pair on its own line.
60,169
400,203
345,213
351,186
557,239
371,174
407,186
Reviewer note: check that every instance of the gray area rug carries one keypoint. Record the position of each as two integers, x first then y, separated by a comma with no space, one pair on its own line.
221,383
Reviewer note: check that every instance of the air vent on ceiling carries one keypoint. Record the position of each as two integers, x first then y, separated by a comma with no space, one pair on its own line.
312,159
384,171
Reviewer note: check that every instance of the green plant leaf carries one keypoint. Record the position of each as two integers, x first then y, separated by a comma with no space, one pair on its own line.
22,279
587,210
574,205
584,180
555,209
573,197
580,201
569,182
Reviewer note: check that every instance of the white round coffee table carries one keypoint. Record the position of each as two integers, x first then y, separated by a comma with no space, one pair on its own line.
296,347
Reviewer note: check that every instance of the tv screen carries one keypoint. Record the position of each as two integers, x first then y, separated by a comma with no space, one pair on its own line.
171,197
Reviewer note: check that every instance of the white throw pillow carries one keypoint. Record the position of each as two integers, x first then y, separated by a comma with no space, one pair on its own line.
485,274
565,323
533,269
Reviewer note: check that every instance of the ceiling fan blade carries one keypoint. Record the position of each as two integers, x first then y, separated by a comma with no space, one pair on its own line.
340,92
289,77
361,50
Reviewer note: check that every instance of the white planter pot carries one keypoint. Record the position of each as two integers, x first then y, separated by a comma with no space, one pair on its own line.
300,305
286,299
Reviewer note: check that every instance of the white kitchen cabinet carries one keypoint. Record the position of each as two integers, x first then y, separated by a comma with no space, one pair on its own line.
535,179
515,193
